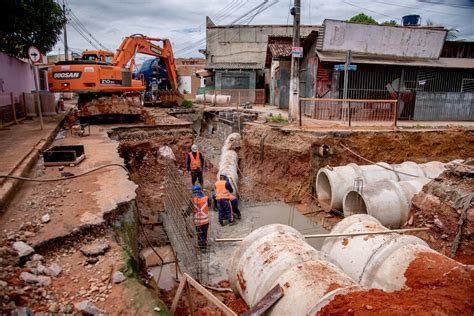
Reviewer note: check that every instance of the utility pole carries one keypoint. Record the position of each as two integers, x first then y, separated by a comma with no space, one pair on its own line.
293,111
66,57
346,106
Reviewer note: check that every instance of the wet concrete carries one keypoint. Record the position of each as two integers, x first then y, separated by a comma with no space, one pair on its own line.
253,217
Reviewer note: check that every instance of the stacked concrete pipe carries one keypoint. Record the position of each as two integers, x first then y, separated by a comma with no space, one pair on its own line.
377,261
278,254
332,184
229,161
386,200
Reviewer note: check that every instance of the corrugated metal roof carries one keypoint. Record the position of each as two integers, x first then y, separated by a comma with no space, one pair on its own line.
464,63
280,49
234,66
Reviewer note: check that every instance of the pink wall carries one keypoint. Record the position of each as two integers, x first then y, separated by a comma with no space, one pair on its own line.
15,76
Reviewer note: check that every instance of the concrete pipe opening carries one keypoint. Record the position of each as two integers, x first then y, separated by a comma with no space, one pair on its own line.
354,204
323,187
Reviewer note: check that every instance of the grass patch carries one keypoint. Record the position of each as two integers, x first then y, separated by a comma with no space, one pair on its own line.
131,268
278,119
187,104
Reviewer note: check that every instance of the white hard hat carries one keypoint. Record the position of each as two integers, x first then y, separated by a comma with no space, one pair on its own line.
194,148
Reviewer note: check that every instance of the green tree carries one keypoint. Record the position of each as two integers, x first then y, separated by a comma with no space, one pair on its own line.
362,18
27,23
391,22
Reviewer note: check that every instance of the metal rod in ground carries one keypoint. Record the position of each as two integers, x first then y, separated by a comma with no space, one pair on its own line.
405,230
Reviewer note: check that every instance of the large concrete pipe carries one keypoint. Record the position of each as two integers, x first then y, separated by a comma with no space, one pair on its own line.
278,254
228,163
378,261
332,184
218,99
386,200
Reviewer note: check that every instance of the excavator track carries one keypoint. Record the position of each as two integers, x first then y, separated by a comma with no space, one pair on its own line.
107,105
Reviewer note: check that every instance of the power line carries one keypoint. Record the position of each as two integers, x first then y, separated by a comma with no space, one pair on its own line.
84,30
427,10
392,17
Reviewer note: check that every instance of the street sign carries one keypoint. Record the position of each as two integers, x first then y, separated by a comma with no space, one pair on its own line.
297,52
34,54
341,67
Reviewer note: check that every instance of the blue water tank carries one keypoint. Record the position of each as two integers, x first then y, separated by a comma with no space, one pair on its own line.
413,20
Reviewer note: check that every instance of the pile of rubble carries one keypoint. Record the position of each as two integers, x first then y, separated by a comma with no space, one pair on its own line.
445,206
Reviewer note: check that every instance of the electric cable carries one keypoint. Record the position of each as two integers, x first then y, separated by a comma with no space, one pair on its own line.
65,178
382,166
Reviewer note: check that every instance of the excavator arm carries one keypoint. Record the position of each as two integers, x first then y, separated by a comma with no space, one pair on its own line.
134,44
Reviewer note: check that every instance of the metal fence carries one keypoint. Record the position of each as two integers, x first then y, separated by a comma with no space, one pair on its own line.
12,107
179,225
238,96
425,93
364,112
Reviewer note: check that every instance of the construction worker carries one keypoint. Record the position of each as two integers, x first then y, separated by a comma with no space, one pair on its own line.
201,215
223,197
195,165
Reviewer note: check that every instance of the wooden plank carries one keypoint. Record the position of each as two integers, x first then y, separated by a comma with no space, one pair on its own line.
226,310
177,296
266,302
190,299
13,107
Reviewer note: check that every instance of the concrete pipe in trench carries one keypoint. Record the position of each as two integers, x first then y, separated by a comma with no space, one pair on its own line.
278,254
378,261
332,184
386,200
229,161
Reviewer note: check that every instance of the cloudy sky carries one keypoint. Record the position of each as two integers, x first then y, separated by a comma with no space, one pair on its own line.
183,21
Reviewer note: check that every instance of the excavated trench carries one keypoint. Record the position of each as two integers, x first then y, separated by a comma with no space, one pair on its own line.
274,165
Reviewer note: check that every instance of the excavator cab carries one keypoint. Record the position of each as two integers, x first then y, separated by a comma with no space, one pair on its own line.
98,55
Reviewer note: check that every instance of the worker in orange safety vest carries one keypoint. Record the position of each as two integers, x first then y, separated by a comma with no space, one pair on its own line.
223,198
201,215
195,165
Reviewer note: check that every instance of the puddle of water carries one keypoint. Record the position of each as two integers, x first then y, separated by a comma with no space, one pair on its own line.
168,276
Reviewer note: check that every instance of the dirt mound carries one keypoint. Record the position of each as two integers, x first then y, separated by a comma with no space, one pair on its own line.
445,206
435,286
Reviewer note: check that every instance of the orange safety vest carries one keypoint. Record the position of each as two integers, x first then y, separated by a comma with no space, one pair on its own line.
201,211
195,163
221,191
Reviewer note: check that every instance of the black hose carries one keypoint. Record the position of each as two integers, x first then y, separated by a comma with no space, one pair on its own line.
65,178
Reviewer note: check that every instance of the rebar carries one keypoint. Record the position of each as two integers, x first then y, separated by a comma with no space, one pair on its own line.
179,224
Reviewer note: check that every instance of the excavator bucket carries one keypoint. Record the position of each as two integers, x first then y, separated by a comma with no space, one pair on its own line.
171,98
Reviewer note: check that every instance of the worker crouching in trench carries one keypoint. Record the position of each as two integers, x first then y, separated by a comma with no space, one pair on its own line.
227,204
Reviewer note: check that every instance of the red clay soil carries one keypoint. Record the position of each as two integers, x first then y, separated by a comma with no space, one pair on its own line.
439,207
203,307
435,286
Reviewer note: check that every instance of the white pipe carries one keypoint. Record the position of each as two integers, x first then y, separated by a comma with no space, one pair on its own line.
378,261
229,161
386,200
332,184
213,99
277,254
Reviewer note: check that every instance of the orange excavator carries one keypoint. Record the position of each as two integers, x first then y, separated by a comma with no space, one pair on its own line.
104,81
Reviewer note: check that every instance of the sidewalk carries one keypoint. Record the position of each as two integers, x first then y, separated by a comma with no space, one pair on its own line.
21,145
